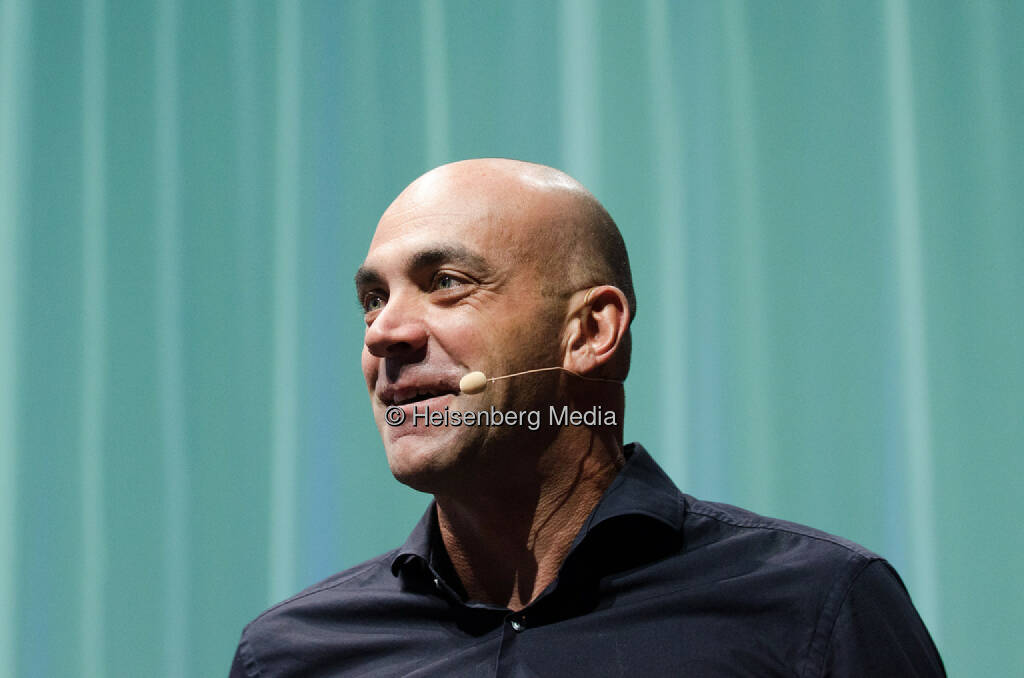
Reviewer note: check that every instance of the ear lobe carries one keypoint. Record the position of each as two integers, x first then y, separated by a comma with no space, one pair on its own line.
598,329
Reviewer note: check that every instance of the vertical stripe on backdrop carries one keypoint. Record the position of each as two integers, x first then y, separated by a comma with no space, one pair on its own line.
94,217
995,143
284,436
320,424
13,28
435,83
912,322
706,369
670,197
169,342
580,105
759,441
247,214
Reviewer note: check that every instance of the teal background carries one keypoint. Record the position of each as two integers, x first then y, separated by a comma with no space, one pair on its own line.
822,202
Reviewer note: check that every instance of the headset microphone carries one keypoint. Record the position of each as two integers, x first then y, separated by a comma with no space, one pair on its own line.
476,382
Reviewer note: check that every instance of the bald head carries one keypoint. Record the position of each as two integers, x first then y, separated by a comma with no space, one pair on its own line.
545,218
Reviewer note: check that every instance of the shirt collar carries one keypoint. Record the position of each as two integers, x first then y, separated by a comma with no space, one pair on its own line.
417,546
641,489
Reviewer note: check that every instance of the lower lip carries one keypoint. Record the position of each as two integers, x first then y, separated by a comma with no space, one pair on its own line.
435,404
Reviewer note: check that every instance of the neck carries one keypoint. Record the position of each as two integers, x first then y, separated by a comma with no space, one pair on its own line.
508,538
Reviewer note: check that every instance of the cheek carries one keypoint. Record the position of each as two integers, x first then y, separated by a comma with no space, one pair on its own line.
535,338
462,338
370,365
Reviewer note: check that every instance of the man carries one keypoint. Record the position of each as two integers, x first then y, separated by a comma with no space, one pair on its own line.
551,548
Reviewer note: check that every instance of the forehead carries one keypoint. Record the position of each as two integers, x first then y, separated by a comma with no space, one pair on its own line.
411,239
491,230
510,220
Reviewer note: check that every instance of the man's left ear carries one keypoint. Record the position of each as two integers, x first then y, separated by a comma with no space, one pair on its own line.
596,329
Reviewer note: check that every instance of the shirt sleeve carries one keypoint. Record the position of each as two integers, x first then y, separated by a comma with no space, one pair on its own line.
238,669
878,632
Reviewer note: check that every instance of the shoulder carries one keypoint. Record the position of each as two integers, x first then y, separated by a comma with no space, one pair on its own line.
857,614
779,561
294,627
716,521
366,578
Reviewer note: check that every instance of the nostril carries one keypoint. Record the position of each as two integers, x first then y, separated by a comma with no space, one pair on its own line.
398,348
395,361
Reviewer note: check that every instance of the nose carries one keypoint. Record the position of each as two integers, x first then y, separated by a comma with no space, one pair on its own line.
398,330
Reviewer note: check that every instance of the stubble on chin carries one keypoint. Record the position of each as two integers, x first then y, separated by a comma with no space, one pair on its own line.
428,463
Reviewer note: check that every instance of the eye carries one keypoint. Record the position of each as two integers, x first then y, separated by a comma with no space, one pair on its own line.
444,281
372,301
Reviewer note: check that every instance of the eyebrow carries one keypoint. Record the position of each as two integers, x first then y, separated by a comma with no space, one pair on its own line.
429,257
447,254
367,277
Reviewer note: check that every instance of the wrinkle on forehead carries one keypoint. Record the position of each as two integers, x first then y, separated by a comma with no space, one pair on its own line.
523,214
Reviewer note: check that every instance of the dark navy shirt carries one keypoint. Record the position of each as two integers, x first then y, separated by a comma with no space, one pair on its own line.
656,583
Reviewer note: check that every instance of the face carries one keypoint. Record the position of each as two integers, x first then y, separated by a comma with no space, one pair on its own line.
452,283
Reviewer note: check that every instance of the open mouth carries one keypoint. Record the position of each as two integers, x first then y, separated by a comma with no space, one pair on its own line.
412,396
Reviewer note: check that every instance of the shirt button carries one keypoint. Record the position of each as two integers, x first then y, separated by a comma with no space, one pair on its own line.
517,625
437,583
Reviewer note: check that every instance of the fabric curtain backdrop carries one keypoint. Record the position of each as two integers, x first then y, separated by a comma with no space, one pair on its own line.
822,205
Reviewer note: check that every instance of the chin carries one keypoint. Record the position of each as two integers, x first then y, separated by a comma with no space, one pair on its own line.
423,465
422,478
